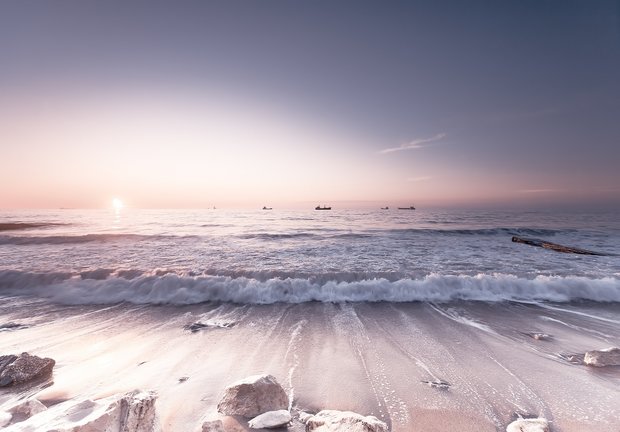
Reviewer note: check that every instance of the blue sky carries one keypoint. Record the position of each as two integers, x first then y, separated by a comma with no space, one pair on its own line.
435,102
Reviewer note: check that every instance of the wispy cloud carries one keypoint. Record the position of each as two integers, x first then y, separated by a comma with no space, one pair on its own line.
419,179
414,144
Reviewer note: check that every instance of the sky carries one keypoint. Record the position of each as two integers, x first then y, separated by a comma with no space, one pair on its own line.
194,104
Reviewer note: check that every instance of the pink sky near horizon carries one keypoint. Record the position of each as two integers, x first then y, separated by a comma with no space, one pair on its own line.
187,152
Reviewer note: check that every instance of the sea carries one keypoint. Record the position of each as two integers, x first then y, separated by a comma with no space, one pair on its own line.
182,257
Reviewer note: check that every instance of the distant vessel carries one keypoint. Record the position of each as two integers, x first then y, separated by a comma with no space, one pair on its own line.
322,208
406,208
267,208
385,208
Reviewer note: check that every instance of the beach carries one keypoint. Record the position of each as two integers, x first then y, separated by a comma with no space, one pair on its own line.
368,358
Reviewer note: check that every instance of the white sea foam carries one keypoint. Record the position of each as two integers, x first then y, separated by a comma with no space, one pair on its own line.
181,289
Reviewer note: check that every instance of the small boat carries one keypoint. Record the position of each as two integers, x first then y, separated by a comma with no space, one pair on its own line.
322,208
267,208
385,208
406,208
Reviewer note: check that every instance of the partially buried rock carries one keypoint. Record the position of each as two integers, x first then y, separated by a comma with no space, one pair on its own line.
213,426
23,368
344,421
606,357
26,409
270,419
529,425
197,326
439,384
252,396
539,336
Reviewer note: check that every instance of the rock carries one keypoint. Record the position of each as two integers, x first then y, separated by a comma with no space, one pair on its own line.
26,409
539,336
606,357
344,421
442,385
213,426
129,412
12,326
529,425
252,396
270,419
572,358
23,368
6,360
304,416
197,326
138,411
5,418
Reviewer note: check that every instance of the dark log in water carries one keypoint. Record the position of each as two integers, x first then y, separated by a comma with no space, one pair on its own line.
556,247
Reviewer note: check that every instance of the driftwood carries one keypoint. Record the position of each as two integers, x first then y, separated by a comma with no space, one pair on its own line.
556,247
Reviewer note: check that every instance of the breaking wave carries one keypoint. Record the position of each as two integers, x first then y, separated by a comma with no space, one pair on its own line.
107,287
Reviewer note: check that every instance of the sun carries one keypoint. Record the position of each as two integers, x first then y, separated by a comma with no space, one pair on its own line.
117,204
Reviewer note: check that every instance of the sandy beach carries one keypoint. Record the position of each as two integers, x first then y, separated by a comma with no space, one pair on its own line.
371,358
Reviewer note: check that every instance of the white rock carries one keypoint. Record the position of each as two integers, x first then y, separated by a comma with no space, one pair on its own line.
129,412
304,416
5,418
138,411
213,426
270,419
605,357
344,421
529,425
252,396
26,409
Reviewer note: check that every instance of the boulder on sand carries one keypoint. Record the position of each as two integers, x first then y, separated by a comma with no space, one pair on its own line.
344,421
252,396
23,368
529,425
601,358
270,419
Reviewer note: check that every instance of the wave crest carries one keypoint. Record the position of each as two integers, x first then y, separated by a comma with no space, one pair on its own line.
171,288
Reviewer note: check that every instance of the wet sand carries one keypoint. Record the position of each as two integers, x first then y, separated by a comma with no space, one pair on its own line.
371,358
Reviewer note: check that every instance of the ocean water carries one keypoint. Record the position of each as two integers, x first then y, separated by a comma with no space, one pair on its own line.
261,257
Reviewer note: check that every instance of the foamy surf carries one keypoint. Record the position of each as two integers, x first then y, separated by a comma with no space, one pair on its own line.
107,287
